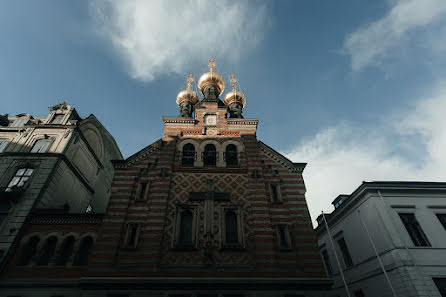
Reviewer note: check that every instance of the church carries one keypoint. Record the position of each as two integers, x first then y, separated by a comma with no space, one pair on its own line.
207,210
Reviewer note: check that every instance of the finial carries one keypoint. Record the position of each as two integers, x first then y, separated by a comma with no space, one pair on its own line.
233,81
212,65
190,79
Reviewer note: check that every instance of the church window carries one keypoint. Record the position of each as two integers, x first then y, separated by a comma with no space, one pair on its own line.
231,228
210,155
83,252
29,250
185,236
231,155
283,237
188,155
414,229
19,179
3,144
275,193
47,251
66,251
132,236
41,146
141,193
57,119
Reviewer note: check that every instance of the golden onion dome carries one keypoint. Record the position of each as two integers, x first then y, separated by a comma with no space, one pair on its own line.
234,95
188,94
211,77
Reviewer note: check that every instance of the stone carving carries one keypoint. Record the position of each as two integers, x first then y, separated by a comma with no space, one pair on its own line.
186,109
235,110
210,92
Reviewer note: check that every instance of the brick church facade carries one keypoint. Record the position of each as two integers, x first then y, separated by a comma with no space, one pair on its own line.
207,210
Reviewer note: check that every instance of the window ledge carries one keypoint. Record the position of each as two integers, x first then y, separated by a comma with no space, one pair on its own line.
233,247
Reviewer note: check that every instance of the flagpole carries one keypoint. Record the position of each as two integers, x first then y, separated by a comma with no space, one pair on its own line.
377,255
336,255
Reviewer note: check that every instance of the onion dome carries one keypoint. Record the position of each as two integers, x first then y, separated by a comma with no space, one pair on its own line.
188,94
211,77
234,95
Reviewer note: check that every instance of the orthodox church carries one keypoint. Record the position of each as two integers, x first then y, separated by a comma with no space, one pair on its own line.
207,210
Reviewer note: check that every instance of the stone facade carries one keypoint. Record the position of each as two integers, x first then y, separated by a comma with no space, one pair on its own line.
412,257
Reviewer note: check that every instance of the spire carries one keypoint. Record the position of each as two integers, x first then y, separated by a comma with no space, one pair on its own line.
235,100
187,98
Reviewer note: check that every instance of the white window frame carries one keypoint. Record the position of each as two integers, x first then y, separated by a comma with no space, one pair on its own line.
20,178
43,148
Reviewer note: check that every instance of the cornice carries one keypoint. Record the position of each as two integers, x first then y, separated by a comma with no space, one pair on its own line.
65,219
249,122
176,120
276,156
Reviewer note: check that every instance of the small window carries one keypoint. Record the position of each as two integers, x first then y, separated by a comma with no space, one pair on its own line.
3,144
41,146
275,193
57,119
132,236
29,250
345,253
231,155
47,251
186,226
141,193
414,229
83,252
188,155
441,285
231,228
210,155
19,122
20,178
442,218
327,263
283,237
66,251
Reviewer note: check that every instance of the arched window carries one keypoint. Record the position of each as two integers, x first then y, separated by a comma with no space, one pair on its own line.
210,155
188,156
231,155
29,251
66,251
48,251
231,227
185,236
84,252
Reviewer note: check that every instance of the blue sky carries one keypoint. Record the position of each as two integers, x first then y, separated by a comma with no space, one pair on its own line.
355,88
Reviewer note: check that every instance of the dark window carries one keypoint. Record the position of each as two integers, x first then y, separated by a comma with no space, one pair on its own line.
345,253
20,178
274,193
41,146
283,237
327,262
65,253
231,155
188,156
210,155
29,251
359,293
414,229
442,218
186,228
132,235
441,285
142,191
3,144
84,252
231,227
57,119
47,251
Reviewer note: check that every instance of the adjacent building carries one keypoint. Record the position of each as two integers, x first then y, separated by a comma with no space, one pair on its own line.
402,222
54,164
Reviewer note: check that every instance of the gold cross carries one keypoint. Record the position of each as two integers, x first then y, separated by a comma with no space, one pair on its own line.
233,80
212,65
190,79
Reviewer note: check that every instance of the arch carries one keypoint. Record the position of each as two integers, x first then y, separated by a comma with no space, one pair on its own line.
231,231
66,250
188,155
231,155
29,250
84,251
210,155
47,251
186,222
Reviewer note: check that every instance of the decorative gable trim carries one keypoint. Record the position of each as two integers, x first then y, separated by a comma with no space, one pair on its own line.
123,164
277,157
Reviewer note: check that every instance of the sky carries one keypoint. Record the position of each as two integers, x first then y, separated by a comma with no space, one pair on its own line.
354,88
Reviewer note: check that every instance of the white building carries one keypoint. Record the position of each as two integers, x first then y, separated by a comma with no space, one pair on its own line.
59,162
407,224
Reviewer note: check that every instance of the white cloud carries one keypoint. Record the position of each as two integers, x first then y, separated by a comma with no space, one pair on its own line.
411,146
165,36
373,42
